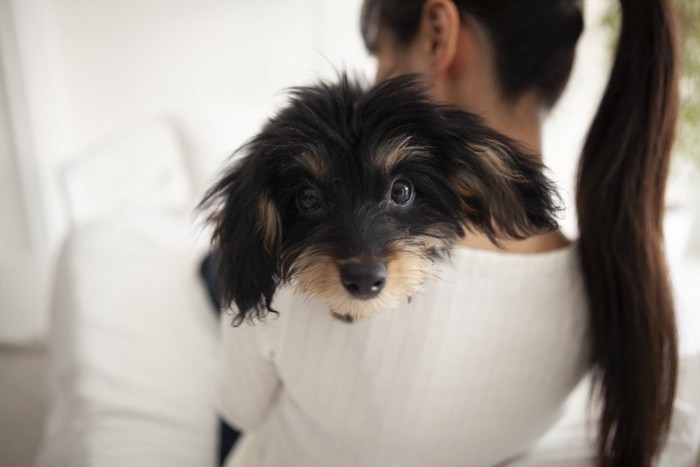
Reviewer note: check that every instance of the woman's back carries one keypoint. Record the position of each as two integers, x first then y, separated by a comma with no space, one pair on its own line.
476,367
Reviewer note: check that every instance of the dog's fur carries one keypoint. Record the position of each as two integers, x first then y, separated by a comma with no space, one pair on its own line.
315,192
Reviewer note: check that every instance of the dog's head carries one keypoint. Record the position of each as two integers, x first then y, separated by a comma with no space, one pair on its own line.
350,195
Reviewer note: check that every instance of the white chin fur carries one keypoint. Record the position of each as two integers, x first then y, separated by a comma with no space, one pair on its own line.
356,309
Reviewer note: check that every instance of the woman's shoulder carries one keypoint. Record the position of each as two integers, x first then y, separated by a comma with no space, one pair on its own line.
500,263
548,281
542,243
466,282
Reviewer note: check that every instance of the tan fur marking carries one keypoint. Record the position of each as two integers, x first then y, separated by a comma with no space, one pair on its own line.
465,191
397,150
314,164
494,155
269,223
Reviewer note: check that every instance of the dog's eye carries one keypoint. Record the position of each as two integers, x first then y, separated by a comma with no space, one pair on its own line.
309,200
402,191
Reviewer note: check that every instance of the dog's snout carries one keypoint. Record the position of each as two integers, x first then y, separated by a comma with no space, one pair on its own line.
363,280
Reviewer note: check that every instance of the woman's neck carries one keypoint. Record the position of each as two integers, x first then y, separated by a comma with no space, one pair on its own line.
520,120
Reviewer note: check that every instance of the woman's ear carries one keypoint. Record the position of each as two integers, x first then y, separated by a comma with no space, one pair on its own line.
439,34
246,240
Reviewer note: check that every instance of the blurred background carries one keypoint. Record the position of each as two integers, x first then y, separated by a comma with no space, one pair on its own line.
125,108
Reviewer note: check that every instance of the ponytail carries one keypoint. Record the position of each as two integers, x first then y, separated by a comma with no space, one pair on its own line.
620,201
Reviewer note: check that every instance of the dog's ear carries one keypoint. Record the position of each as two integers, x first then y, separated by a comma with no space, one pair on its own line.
246,240
502,188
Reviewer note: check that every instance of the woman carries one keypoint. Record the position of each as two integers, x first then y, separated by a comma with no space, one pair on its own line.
509,60
482,372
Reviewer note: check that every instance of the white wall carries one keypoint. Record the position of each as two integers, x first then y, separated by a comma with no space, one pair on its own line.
24,263
17,263
566,127
90,69
13,230
214,66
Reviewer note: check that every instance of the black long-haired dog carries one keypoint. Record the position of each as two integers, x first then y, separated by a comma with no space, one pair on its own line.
349,195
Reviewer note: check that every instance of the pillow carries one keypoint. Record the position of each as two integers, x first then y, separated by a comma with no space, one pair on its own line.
132,346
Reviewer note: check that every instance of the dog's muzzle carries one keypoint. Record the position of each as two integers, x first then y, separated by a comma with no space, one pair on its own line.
365,279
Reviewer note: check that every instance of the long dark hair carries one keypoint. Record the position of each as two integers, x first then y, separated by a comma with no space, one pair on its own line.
620,194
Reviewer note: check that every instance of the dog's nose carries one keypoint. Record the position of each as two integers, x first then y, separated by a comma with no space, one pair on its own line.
363,280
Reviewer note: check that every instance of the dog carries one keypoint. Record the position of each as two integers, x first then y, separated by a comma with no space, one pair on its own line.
350,194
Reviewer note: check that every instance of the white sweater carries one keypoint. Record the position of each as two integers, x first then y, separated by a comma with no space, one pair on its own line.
470,373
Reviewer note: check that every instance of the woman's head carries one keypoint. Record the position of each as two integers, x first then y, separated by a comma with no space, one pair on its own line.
526,47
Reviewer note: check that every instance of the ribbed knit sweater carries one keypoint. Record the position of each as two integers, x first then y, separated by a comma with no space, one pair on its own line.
471,372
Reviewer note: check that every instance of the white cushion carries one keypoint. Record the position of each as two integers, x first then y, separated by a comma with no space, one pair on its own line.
101,182
132,350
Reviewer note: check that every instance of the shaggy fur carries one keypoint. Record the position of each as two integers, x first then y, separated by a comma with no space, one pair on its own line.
385,177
